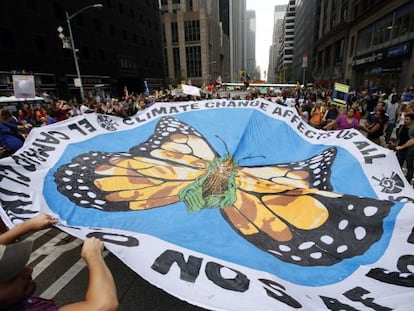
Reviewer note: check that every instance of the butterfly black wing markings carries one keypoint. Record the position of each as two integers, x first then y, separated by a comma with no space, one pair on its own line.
173,156
178,145
75,181
352,226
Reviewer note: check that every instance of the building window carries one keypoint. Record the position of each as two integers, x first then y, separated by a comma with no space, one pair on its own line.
40,45
31,4
109,3
383,30
58,10
79,20
132,13
364,39
339,51
164,6
174,32
112,30
189,5
192,30
102,55
176,6
327,60
98,26
85,52
352,46
166,58
135,38
163,34
143,42
177,63
121,8
402,21
6,39
193,56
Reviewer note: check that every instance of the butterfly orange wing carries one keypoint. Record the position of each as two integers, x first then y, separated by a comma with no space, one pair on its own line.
289,211
150,175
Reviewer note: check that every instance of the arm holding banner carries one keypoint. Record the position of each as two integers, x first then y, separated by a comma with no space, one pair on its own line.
39,222
407,144
101,292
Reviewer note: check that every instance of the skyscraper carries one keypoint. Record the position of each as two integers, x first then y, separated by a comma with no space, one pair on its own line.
237,38
193,40
251,43
273,69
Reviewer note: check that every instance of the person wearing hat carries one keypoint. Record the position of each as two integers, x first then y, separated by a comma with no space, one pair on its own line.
16,283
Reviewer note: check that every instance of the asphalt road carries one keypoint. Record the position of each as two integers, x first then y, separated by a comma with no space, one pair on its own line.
61,275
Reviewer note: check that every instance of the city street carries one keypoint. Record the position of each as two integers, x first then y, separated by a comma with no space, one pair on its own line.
62,275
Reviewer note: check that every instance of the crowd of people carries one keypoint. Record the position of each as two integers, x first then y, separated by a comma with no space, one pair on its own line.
380,115
387,120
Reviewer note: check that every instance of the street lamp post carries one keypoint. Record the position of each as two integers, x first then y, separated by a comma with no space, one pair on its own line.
72,42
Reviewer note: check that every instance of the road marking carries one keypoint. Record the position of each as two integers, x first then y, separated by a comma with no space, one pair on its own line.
61,282
57,252
47,248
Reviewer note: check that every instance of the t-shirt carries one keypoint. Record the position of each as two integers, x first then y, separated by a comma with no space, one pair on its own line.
342,123
35,304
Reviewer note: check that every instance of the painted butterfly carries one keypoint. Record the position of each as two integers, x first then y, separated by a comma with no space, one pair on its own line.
287,210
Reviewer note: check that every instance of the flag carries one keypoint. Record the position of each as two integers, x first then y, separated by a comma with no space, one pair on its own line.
146,88
218,81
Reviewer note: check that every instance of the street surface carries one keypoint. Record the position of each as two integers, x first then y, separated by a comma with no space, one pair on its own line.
61,275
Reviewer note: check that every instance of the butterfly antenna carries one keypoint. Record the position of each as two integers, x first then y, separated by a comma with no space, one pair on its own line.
224,143
251,157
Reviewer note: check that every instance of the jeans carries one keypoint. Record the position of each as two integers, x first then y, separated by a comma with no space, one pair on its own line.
410,166
388,132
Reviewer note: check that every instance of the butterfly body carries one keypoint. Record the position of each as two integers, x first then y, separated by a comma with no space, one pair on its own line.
217,189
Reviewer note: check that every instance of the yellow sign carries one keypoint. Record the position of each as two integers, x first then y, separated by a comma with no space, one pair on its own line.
340,94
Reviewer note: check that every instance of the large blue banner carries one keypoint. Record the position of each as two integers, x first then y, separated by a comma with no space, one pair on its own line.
229,205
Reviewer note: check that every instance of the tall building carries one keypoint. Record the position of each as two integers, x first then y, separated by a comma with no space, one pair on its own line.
366,44
331,42
117,45
273,69
251,44
193,40
306,23
237,38
287,45
380,53
225,39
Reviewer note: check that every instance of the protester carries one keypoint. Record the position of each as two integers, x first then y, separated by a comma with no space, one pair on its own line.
403,137
331,114
11,138
17,286
376,129
392,111
345,121
317,113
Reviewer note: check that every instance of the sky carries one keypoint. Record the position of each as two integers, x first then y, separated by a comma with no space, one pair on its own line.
264,28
